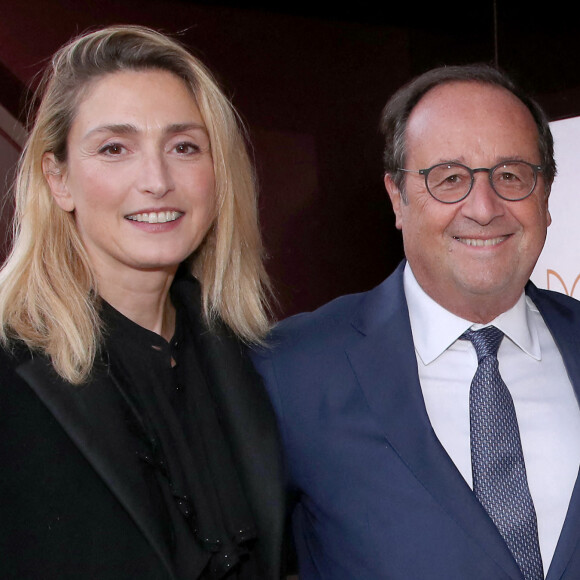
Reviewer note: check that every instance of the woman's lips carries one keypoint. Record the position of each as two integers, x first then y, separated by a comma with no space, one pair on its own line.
155,217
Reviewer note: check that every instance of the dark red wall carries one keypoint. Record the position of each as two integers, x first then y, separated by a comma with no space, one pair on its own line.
310,90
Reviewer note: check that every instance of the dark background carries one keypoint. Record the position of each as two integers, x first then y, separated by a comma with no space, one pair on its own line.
310,80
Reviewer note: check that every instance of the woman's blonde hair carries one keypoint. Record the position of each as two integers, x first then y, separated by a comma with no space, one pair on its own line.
48,294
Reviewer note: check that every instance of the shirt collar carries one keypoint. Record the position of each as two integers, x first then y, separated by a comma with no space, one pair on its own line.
435,329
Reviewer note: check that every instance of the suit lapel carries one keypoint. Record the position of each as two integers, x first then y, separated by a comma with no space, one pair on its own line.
383,357
89,414
565,328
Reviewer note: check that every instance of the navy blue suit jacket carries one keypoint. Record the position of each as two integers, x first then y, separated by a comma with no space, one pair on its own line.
377,496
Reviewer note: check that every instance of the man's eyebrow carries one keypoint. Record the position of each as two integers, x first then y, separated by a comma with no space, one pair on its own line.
501,159
504,158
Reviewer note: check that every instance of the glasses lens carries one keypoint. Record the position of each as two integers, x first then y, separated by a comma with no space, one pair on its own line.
449,182
514,180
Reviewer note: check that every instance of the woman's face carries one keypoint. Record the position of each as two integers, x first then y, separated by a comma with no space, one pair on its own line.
139,173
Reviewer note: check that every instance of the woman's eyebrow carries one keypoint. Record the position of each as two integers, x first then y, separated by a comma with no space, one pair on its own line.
183,127
128,128
116,128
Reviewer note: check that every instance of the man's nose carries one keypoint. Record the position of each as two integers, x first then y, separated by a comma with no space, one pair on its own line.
482,204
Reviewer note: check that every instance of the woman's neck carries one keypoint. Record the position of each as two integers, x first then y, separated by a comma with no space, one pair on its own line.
143,297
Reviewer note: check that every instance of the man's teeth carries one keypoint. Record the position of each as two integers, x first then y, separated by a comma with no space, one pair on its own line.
155,217
479,242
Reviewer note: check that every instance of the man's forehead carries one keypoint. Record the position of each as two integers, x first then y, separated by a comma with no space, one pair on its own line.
472,115
455,97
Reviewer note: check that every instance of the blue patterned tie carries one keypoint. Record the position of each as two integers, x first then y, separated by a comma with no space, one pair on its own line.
497,460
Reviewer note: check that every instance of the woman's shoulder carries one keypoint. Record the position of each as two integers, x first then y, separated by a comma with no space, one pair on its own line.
14,393
12,355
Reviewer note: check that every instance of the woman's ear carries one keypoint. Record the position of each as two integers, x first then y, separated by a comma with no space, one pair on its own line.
56,178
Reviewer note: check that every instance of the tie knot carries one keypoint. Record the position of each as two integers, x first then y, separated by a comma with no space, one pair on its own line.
486,340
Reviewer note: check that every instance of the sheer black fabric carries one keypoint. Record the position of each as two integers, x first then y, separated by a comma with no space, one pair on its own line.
178,436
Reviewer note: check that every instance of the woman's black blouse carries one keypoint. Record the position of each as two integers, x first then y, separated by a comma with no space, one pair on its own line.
187,463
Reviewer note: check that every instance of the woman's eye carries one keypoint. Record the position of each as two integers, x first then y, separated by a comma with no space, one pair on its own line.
112,149
186,148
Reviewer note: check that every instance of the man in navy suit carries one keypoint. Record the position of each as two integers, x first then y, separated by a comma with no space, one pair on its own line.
372,391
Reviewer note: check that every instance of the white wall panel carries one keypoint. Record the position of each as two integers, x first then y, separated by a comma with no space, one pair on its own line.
559,265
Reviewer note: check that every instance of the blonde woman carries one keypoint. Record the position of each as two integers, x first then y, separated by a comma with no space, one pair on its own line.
136,439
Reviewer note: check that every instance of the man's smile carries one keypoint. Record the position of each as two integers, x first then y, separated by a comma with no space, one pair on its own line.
481,242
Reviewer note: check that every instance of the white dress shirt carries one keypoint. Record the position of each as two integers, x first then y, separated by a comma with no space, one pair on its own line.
532,368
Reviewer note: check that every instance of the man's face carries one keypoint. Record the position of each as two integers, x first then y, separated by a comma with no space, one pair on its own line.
475,256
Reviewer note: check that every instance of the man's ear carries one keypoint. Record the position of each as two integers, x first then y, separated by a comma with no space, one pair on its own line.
396,200
548,215
55,176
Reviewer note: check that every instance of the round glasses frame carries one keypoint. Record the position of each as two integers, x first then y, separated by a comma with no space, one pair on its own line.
490,171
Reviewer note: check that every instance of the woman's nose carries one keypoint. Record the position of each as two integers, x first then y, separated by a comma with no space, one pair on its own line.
155,175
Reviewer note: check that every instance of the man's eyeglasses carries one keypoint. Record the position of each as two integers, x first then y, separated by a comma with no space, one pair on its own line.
452,182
